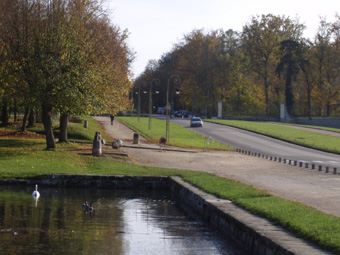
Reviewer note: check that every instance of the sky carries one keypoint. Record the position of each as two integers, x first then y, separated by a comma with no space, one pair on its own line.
155,26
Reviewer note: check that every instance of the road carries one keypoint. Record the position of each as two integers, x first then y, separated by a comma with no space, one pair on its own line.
241,139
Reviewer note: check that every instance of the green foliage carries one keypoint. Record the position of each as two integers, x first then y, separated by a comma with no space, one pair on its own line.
179,136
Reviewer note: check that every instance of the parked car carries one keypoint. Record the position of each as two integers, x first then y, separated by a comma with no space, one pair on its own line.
196,122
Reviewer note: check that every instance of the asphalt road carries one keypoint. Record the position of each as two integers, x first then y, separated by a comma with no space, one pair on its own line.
241,139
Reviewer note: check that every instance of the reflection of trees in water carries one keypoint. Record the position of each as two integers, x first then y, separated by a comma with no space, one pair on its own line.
58,222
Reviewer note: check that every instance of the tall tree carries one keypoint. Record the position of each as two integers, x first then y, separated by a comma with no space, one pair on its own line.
261,40
289,67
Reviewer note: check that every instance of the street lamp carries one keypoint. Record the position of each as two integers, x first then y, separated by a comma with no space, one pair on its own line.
138,108
155,82
176,80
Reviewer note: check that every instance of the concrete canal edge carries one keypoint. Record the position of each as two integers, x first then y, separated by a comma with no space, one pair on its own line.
256,234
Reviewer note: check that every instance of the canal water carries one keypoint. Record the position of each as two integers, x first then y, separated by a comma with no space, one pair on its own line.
122,222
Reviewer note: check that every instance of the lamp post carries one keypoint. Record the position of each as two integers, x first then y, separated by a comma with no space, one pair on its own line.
155,82
138,110
176,80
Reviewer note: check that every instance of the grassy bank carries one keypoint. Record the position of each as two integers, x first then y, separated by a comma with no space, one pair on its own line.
179,136
290,134
26,158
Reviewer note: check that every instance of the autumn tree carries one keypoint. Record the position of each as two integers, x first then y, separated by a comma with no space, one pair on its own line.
261,40
67,57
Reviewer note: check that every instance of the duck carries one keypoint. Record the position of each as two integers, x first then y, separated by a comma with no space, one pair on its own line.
85,205
36,193
88,207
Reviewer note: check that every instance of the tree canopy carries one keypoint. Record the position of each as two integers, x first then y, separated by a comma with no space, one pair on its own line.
62,56
253,70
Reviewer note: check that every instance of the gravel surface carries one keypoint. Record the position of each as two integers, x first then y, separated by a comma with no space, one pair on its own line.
317,189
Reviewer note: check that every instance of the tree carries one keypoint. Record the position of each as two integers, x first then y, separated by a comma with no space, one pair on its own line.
261,40
289,67
65,56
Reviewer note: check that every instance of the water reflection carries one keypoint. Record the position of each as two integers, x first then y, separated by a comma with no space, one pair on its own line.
123,222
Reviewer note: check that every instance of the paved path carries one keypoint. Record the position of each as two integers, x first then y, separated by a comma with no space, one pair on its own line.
317,189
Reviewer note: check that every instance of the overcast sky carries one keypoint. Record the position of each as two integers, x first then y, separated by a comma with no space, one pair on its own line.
156,25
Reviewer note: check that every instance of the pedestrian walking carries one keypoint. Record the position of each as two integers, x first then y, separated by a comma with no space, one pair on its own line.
112,118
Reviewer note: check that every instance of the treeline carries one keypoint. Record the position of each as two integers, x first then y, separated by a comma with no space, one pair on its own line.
61,56
252,71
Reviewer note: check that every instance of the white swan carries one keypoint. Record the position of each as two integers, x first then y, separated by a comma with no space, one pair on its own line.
36,193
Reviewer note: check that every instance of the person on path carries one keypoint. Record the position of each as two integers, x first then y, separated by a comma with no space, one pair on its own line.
112,119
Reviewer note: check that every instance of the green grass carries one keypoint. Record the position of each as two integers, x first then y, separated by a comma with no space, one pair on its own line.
337,130
23,158
179,136
286,133
76,131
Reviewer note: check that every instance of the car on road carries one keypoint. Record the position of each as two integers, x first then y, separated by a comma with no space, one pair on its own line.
196,122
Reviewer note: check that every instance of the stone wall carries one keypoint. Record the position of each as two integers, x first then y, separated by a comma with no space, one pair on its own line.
256,234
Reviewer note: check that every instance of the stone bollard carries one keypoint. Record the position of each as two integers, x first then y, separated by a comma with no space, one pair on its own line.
327,169
97,144
306,165
320,167
117,144
313,166
86,124
135,138
335,170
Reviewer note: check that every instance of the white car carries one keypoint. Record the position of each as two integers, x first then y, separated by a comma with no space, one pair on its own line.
196,122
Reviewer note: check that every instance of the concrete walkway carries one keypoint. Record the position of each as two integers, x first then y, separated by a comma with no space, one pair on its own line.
311,187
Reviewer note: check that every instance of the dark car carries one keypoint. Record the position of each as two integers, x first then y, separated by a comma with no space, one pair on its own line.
196,122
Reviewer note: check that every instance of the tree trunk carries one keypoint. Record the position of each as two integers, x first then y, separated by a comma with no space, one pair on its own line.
46,118
15,111
4,115
63,128
31,119
24,120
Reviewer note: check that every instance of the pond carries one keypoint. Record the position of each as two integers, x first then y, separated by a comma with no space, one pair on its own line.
122,222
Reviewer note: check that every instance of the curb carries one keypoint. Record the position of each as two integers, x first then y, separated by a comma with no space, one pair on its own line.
298,163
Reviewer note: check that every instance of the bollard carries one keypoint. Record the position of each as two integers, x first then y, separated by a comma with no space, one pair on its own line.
335,170
313,166
275,158
320,167
295,162
327,169
289,162
280,159
300,164
284,161
86,124
306,165
135,138
97,144
259,155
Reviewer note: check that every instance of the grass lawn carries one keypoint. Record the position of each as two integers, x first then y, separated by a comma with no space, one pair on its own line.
286,133
179,136
27,158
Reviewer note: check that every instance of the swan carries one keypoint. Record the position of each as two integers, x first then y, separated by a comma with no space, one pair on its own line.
36,193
